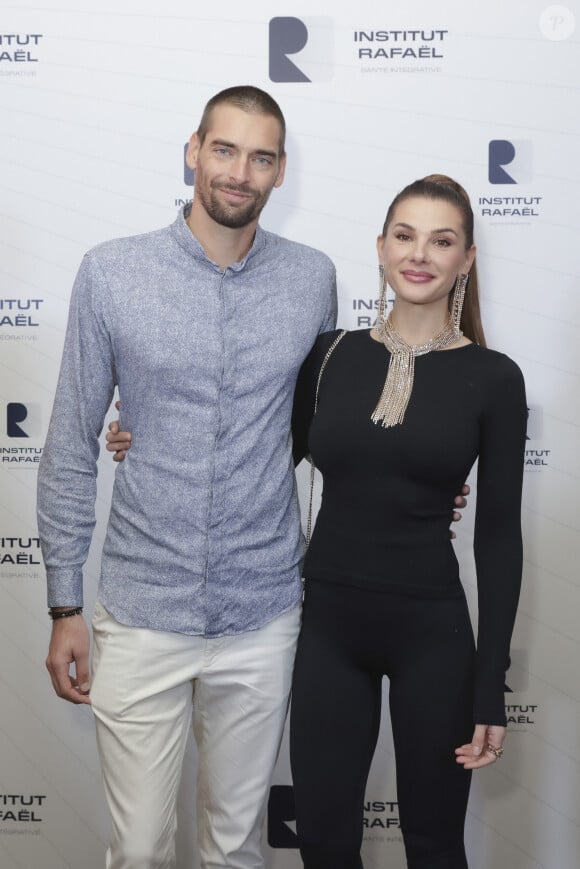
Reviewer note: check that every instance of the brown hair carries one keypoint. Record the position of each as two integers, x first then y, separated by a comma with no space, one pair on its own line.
443,187
249,99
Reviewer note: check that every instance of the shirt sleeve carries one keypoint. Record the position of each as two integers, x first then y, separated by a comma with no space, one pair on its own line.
329,322
305,395
68,467
498,537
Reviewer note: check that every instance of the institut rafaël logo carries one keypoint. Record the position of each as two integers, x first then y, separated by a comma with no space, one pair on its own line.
380,817
21,424
19,53
300,49
536,456
510,163
17,48
188,180
381,820
18,811
19,319
520,713
366,310
19,557
410,49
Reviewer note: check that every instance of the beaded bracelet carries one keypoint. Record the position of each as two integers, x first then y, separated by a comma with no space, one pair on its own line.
64,614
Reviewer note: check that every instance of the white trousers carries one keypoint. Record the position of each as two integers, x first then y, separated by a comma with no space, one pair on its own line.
141,690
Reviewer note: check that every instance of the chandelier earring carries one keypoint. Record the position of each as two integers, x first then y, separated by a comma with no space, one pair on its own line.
381,317
457,303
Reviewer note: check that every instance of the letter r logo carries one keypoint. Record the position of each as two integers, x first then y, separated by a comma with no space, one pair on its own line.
501,153
311,39
188,174
516,155
287,36
22,420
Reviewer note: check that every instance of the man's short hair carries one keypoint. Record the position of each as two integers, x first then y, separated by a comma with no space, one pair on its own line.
249,99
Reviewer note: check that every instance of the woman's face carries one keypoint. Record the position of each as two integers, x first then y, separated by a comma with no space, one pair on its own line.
424,249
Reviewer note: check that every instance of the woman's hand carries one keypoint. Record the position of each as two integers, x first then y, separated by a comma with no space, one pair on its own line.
118,442
461,502
479,752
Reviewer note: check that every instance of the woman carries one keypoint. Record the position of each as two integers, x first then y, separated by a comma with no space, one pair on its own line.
403,411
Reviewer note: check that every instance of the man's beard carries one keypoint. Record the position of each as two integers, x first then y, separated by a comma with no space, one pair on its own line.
232,216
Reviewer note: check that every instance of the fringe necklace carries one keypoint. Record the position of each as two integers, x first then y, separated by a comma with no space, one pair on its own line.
390,410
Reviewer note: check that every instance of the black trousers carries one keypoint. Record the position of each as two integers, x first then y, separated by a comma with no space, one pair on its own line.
350,638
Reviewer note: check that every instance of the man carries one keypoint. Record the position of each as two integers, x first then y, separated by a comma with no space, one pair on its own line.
203,327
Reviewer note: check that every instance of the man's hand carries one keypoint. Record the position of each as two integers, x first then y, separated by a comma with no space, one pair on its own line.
118,442
485,748
69,644
460,501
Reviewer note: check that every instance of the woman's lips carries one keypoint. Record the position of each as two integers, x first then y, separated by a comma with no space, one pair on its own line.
417,277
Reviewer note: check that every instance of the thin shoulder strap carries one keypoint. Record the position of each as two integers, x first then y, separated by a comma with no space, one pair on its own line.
312,468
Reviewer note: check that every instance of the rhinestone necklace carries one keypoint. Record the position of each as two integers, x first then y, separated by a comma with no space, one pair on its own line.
390,410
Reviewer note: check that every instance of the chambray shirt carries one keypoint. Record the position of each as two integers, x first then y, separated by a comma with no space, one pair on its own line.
203,534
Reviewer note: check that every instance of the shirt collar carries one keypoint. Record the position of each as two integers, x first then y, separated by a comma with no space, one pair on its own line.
187,240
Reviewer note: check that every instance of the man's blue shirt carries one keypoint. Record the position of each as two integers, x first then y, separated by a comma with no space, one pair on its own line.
204,534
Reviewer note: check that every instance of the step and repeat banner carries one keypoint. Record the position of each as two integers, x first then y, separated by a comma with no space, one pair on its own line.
97,102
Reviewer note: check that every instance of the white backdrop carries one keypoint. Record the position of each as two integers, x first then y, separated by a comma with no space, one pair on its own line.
97,101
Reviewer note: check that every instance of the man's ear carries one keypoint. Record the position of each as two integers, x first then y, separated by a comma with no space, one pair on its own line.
281,171
192,151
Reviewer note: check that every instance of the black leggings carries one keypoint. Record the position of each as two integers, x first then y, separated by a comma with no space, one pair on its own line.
350,638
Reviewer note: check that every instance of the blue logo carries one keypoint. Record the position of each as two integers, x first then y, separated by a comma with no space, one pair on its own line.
281,817
22,420
188,173
510,162
311,39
